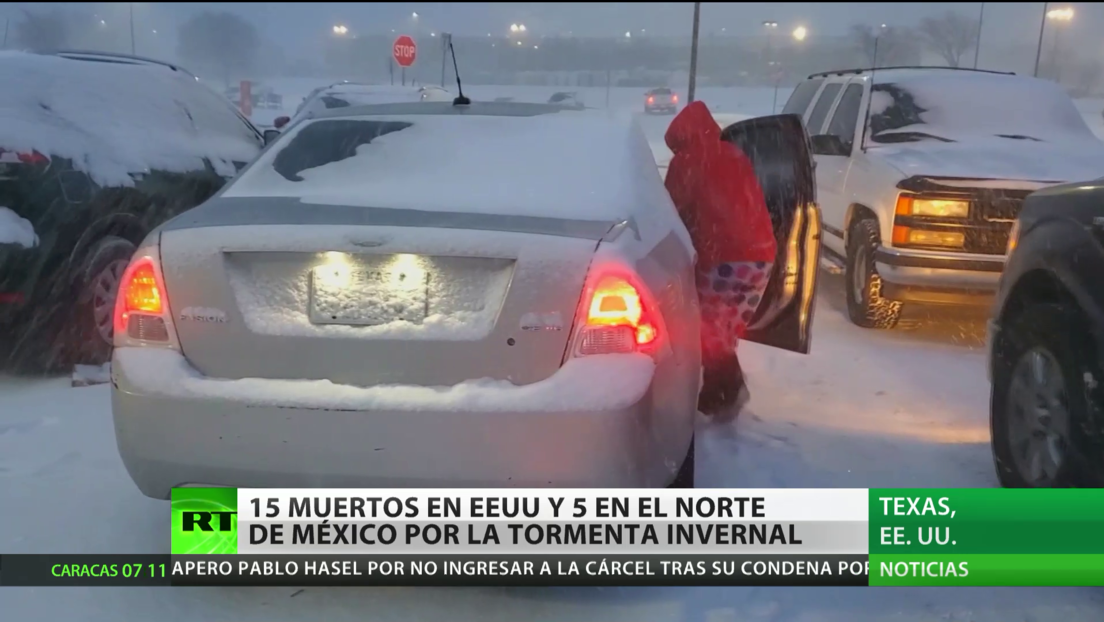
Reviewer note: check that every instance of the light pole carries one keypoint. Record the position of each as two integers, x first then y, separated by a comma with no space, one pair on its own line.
694,54
977,41
771,26
132,45
1042,28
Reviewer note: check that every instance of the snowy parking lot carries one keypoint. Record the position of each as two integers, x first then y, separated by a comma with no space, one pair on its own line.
901,408
864,409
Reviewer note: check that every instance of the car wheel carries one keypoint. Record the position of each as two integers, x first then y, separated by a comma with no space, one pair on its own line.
101,275
865,304
685,476
1040,398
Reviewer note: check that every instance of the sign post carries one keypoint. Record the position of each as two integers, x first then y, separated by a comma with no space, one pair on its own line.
245,95
405,52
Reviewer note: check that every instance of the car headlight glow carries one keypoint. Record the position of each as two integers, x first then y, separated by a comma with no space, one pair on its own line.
938,208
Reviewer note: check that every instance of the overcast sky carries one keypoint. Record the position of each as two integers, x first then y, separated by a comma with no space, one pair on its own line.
302,23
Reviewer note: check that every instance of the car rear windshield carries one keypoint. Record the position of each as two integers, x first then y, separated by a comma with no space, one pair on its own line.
661,91
319,144
957,108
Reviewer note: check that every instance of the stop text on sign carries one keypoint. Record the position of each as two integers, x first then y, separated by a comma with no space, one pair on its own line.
404,50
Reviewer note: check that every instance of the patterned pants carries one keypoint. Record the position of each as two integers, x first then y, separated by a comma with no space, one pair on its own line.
730,294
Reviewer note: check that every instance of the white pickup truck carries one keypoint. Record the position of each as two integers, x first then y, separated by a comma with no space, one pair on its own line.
921,173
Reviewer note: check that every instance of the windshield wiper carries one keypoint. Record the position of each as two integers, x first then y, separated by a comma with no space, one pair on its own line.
1019,137
906,137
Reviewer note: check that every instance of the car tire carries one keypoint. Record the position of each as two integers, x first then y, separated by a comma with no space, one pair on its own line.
1043,357
98,282
685,476
865,304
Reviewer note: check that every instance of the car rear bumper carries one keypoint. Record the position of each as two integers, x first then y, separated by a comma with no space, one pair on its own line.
191,430
651,109
938,278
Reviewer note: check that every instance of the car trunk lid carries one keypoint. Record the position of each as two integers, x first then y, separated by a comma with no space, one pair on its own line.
278,288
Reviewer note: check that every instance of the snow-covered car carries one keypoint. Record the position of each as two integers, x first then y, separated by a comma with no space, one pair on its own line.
566,99
345,94
93,155
429,294
660,100
919,190
1046,343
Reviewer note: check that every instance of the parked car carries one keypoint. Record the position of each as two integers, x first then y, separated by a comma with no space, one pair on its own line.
511,324
345,94
920,191
566,99
660,100
1046,343
93,155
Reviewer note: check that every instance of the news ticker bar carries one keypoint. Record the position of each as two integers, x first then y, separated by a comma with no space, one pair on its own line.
534,570
476,570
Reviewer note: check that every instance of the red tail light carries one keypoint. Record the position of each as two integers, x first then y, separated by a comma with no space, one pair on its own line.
616,319
651,100
32,157
140,308
674,98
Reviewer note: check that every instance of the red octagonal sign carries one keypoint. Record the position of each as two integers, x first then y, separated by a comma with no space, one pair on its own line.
404,50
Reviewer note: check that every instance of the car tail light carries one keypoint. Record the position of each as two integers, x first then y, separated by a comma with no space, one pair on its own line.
615,317
13,157
674,98
651,100
142,308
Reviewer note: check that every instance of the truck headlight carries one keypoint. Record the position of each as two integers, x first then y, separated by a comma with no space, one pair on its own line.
1013,237
938,208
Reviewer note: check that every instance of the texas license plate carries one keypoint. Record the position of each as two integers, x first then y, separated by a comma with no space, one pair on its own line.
368,296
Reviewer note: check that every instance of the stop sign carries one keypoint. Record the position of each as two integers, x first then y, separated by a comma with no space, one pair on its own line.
404,50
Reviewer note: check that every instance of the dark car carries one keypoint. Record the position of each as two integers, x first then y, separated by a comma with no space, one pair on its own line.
567,99
1046,343
661,101
94,154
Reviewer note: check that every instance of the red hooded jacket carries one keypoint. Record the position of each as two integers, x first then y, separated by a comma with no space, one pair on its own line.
714,187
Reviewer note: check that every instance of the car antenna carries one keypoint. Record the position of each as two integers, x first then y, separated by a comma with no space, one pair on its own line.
460,99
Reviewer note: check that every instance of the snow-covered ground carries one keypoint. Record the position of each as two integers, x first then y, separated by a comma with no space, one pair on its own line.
865,408
907,407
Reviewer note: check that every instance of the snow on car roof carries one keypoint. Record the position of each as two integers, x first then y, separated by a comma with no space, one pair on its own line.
488,158
114,120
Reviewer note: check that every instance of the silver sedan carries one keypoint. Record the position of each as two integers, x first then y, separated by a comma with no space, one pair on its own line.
425,295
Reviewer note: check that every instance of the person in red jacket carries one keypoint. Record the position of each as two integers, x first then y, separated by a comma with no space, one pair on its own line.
718,197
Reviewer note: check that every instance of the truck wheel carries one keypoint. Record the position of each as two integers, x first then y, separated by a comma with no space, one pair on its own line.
1041,399
100,276
865,304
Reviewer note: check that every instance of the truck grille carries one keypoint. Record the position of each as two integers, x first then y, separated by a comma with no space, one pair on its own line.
992,212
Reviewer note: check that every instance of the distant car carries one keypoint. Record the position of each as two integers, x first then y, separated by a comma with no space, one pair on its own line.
566,99
1046,343
95,152
345,94
661,101
407,295
919,192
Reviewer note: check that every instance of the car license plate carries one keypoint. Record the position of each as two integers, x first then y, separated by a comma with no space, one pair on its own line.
368,296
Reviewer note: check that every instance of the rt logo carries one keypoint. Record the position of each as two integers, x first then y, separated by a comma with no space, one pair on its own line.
202,520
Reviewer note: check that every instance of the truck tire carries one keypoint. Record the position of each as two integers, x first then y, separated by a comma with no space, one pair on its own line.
100,273
865,304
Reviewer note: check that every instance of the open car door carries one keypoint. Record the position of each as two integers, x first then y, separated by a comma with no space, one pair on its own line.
778,147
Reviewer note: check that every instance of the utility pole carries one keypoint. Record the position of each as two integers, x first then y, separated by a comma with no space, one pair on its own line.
977,42
446,39
132,46
694,54
1042,27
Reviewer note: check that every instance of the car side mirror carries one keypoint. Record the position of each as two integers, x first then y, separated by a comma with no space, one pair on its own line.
829,144
270,136
281,122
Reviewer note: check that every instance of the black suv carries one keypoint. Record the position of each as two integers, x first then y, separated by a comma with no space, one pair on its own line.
98,150
1046,343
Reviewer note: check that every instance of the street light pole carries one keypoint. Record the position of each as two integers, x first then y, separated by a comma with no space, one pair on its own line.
446,38
694,54
1042,27
977,42
132,46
